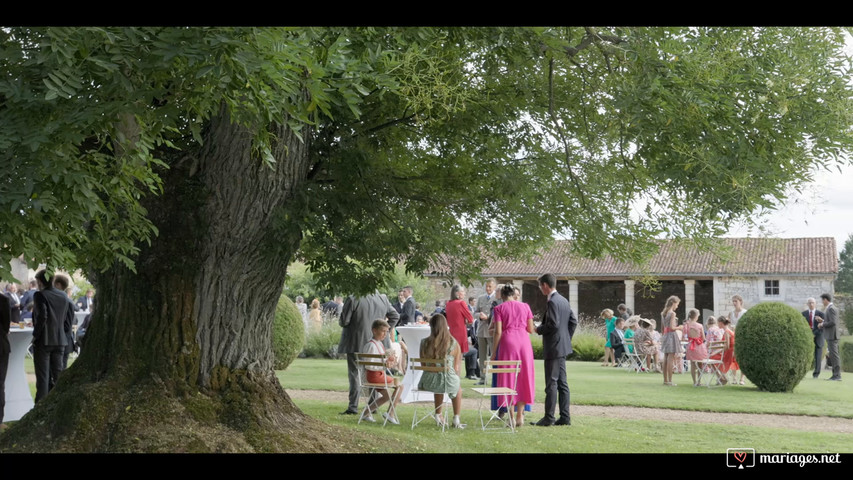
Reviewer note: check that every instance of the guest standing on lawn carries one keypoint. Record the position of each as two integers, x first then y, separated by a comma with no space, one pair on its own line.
670,343
513,326
458,316
610,325
557,328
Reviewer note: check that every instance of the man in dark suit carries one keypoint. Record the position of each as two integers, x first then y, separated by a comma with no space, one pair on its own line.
398,305
814,317
356,320
557,328
334,306
407,314
85,302
830,332
5,349
61,283
52,312
27,297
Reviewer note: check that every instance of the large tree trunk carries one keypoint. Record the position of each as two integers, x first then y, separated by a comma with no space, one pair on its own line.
179,357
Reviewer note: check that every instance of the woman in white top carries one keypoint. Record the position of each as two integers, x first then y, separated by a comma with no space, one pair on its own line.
737,302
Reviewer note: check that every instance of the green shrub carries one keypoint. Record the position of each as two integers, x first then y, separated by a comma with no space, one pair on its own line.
323,343
774,347
847,316
587,342
586,346
536,341
589,339
288,333
845,349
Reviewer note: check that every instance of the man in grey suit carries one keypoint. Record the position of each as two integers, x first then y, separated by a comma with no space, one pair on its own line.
356,319
53,314
830,332
557,328
483,313
814,317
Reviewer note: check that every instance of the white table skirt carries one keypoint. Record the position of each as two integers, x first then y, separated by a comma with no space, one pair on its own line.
412,335
19,401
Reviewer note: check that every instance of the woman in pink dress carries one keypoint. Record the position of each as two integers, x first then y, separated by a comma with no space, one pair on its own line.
696,350
458,316
513,325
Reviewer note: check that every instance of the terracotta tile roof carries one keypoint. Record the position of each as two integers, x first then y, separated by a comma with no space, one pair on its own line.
748,256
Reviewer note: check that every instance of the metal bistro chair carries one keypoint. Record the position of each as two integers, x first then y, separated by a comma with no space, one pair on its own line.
433,365
634,359
709,370
511,367
370,391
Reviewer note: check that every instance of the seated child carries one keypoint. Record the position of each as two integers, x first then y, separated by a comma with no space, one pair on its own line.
617,341
376,374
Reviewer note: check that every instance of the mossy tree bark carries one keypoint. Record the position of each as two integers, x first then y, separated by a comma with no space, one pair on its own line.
179,354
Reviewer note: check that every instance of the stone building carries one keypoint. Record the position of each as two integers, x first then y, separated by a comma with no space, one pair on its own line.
787,270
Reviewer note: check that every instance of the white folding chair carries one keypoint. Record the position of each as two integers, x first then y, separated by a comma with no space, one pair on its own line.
504,394
634,359
370,390
433,365
710,370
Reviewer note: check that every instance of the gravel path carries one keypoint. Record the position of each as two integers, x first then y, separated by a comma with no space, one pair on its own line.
793,422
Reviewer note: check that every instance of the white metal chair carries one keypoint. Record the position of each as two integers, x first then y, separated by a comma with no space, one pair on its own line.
431,365
510,367
623,360
370,390
632,358
709,369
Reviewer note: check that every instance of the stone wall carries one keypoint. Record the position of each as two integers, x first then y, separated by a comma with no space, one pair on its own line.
793,290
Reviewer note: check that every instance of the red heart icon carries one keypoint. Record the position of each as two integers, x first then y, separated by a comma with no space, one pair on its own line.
740,456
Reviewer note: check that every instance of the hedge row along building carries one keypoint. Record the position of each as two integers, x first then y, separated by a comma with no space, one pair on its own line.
787,270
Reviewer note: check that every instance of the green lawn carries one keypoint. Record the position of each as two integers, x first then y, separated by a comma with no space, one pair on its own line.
592,384
586,435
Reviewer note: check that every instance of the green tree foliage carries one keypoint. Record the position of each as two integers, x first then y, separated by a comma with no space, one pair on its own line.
300,282
422,289
609,135
844,281
288,333
774,346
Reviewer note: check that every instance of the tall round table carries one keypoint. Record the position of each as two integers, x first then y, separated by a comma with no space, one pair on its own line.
19,401
412,335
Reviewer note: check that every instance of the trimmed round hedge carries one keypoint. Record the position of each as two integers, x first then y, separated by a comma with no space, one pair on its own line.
774,346
288,333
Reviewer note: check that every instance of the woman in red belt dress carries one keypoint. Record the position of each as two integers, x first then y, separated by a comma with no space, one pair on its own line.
458,316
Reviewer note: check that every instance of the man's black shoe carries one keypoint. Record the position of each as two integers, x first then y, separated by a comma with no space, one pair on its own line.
542,423
349,412
563,421
815,375
834,379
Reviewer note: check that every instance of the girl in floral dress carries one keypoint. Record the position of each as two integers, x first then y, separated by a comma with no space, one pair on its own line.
670,342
